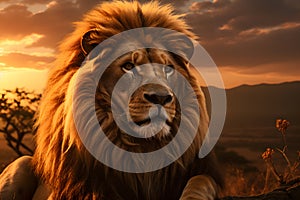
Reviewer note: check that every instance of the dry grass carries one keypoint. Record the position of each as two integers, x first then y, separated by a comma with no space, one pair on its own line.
239,183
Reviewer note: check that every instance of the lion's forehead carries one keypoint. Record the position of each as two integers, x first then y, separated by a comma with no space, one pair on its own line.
144,56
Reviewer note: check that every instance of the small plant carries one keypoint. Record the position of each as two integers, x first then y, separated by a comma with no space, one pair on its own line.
290,171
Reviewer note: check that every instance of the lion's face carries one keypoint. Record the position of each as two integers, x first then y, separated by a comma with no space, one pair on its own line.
149,74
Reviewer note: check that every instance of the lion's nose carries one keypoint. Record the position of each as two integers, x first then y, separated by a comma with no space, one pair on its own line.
161,99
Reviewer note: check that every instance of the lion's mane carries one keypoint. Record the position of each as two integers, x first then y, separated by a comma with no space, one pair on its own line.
62,161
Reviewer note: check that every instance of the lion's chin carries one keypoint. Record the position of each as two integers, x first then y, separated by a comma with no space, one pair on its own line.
156,128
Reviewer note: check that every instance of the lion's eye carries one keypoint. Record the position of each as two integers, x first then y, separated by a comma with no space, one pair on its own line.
127,66
169,70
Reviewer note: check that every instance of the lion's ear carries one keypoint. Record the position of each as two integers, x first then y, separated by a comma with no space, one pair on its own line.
89,41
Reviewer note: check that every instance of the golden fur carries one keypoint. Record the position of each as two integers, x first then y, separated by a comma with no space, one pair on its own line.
61,159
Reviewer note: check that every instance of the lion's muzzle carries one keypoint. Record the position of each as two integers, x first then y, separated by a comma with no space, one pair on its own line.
152,103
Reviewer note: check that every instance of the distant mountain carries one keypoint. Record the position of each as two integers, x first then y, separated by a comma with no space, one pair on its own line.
260,105
250,121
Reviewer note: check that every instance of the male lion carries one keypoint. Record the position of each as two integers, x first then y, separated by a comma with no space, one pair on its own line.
66,169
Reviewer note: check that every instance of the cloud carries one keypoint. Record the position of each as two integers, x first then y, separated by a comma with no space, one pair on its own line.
247,33
6,1
53,23
15,22
255,49
36,1
20,60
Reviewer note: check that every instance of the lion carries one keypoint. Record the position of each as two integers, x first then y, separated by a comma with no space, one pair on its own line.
63,164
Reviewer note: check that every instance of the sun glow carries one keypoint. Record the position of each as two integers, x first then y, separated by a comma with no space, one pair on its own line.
25,46
11,78
12,55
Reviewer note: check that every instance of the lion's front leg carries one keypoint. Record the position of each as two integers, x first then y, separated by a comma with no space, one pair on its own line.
200,187
18,181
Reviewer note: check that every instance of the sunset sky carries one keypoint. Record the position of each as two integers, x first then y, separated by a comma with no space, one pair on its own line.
251,41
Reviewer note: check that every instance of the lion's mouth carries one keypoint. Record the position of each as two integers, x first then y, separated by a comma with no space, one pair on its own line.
157,115
157,119
144,122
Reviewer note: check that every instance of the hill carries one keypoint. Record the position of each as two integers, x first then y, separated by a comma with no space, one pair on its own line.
251,114
261,105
